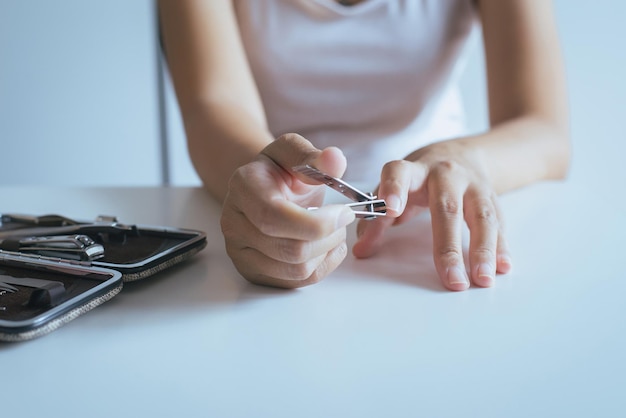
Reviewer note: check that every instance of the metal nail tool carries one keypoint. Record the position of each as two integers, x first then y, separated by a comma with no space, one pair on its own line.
75,247
24,225
371,206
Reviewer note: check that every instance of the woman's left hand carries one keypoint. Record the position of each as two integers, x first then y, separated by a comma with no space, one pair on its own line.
451,180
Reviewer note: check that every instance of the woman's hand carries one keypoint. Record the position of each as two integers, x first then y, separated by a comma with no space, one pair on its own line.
270,236
450,179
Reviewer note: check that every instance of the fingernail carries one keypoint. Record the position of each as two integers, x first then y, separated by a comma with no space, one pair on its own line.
485,272
346,217
505,264
394,203
457,276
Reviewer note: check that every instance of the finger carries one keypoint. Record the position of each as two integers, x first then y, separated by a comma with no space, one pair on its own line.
409,212
446,207
397,180
258,269
504,263
370,234
482,221
291,150
241,234
256,195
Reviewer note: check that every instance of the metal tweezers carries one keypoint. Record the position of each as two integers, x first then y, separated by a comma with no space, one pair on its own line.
371,206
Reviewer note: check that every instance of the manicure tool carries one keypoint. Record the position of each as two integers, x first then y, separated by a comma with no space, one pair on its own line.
371,205
75,247
46,293
105,227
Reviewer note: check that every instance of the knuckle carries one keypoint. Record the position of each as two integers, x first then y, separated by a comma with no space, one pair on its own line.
342,251
239,178
446,167
486,214
478,199
294,251
314,228
301,271
449,255
448,205
265,221
240,173
332,260
395,165
484,253
288,137
319,230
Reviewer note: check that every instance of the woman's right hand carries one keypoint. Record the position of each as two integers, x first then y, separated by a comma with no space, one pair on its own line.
270,236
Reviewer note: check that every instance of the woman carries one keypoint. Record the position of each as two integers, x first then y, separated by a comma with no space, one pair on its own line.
368,86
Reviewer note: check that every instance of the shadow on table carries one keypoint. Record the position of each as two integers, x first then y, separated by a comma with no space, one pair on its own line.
210,281
405,257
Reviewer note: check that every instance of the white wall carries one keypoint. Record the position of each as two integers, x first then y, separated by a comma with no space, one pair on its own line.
593,40
78,95
594,43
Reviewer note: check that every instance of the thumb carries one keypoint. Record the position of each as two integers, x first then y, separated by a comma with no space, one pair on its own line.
291,150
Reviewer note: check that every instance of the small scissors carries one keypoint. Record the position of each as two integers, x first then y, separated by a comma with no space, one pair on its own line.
371,205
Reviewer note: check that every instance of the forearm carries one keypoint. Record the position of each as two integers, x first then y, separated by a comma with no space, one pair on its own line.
521,151
221,138
528,111
221,108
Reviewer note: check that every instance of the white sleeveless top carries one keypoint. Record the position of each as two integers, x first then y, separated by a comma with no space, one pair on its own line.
376,79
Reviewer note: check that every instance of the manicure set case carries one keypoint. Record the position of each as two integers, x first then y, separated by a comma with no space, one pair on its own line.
54,269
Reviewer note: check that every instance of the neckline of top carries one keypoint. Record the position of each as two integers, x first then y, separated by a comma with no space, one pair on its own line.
346,10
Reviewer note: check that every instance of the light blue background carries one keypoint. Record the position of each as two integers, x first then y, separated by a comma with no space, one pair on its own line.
79,98
78,102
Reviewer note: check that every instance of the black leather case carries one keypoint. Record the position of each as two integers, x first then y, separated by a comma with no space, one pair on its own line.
46,282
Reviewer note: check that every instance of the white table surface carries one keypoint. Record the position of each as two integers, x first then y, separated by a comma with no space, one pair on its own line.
378,338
